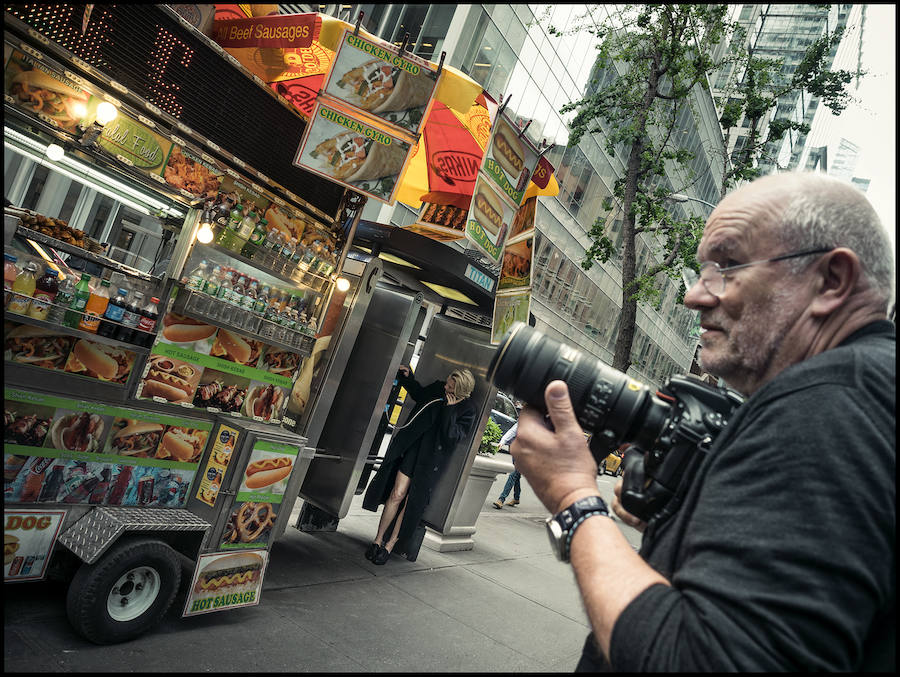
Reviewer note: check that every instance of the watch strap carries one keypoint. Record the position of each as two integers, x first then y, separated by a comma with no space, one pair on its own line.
573,516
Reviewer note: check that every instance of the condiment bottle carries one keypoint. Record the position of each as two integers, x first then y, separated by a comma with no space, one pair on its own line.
79,301
96,306
23,289
10,272
45,289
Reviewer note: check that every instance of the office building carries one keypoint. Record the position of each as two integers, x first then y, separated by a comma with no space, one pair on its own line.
504,48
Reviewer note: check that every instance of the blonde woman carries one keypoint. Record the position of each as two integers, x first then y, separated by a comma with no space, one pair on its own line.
443,415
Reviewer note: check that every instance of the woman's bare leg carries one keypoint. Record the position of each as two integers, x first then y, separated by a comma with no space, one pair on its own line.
389,546
398,493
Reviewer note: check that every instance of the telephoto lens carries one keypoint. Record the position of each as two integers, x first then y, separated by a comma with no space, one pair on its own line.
612,406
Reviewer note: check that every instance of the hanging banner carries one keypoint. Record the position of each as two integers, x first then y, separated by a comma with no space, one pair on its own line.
515,271
488,220
278,31
523,224
372,77
510,160
350,150
509,308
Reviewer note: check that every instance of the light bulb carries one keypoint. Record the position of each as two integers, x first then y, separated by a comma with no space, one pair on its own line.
55,152
80,110
342,284
204,233
106,112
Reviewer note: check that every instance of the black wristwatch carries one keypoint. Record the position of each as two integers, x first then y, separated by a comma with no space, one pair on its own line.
562,525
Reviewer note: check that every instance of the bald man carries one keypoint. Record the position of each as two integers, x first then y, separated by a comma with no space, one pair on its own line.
781,553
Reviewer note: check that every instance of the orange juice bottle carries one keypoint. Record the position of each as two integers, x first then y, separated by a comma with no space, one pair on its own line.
95,307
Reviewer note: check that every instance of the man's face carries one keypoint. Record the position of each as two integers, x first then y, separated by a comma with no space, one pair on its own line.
746,327
450,386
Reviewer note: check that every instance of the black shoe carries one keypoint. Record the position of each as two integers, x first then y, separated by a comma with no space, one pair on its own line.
382,556
371,550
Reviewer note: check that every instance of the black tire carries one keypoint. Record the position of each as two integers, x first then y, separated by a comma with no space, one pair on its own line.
152,562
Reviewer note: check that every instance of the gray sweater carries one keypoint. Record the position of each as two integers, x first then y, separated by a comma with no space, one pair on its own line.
781,556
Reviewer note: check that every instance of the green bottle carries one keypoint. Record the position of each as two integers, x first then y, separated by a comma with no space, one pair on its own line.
79,301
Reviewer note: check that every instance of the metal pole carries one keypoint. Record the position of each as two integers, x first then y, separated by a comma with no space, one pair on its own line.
350,235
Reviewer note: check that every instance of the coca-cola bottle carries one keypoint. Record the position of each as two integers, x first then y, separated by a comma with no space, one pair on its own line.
52,484
123,478
147,323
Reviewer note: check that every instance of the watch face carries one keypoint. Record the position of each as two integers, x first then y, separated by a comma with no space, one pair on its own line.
555,534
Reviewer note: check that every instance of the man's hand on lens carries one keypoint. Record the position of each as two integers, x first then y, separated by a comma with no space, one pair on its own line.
623,514
556,463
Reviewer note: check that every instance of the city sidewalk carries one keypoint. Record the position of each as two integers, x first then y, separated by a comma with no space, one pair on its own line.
507,605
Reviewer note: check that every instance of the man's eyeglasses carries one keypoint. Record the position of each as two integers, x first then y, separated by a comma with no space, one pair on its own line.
712,275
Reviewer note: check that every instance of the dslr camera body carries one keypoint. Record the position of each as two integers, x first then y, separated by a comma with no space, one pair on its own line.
669,430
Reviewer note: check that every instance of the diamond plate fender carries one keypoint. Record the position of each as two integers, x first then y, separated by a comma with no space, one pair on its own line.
91,535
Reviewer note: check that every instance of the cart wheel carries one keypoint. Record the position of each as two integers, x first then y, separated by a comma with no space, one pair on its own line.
126,592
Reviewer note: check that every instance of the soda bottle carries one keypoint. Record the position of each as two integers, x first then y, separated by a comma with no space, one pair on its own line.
256,239
52,485
10,273
236,299
32,487
269,246
296,257
224,293
250,296
115,310
45,290
64,296
82,492
197,278
121,485
96,306
130,318
147,323
23,288
211,284
262,301
248,225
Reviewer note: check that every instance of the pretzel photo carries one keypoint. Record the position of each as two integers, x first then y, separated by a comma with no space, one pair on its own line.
253,519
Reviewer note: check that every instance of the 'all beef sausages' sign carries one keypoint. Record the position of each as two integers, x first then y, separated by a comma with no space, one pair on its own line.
281,31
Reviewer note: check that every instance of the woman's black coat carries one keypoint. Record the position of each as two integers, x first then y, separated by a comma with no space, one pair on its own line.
436,432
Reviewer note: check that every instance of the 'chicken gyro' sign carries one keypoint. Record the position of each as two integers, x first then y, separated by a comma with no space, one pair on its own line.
362,130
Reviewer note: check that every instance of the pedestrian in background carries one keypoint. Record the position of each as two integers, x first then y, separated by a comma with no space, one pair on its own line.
753,570
443,416
513,480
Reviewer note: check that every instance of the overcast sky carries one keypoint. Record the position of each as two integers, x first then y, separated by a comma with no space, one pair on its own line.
872,123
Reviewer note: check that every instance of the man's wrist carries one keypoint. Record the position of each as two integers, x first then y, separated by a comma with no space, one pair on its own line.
573,496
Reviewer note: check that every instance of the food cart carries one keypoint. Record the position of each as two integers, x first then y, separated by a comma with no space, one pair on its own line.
126,446
194,431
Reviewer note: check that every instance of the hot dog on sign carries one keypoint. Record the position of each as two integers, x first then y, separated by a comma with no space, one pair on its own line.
510,160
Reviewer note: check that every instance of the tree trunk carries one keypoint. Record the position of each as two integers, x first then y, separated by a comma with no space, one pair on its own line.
628,315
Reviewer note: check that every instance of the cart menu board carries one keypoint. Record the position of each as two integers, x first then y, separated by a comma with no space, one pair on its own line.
224,581
28,538
353,151
201,365
60,450
371,77
259,495
51,349
500,189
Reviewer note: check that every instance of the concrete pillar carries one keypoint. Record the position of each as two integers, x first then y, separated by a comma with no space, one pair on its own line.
481,478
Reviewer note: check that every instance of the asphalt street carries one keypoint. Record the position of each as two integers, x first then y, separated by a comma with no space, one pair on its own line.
506,605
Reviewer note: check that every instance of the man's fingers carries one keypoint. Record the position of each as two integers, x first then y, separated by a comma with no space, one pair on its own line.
559,406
